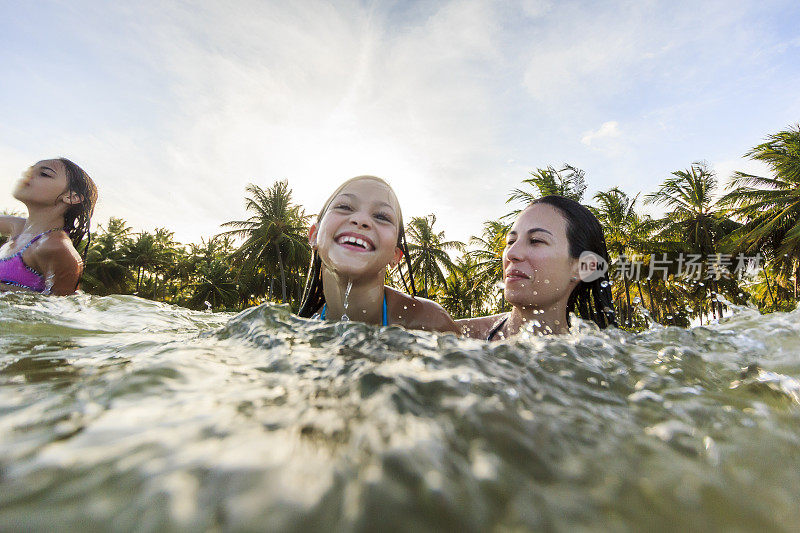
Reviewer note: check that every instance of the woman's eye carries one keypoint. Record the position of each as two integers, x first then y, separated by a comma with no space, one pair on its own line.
537,241
345,207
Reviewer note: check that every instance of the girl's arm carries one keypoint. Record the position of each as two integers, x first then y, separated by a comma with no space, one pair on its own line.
10,225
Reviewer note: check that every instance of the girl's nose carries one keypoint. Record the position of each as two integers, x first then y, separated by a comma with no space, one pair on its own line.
360,219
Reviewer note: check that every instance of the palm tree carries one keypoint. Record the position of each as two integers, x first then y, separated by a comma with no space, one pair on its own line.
214,284
106,271
277,233
626,232
695,222
569,182
142,254
428,251
462,293
770,206
487,254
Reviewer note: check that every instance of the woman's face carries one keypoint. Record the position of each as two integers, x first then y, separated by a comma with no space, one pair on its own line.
357,235
43,183
538,271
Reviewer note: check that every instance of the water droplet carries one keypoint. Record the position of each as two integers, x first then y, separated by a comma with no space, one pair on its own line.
546,281
346,300
604,283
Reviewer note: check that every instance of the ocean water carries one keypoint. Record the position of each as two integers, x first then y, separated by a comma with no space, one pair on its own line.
122,414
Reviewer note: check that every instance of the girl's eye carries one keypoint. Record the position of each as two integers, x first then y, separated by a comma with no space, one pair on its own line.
345,207
509,243
384,217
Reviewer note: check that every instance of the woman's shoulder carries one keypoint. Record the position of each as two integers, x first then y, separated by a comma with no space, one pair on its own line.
479,327
414,312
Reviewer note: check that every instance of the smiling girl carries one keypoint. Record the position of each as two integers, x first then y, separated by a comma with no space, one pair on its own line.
358,234
40,254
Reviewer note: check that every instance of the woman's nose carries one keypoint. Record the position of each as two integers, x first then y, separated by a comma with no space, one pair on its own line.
513,252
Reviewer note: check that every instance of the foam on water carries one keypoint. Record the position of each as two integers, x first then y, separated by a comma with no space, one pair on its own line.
120,413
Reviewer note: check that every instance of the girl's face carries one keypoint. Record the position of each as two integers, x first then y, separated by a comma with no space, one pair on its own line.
43,183
538,270
357,235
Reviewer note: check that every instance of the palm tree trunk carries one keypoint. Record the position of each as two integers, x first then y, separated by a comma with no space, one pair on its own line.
654,308
138,279
769,289
283,274
628,301
641,296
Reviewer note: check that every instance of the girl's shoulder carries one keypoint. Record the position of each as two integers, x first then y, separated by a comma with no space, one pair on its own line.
56,244
54,255
414,312
479,327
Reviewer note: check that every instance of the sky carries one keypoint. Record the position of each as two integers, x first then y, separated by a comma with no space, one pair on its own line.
174,107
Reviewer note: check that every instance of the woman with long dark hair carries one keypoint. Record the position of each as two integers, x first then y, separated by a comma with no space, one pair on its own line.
357,236
41,253
555,263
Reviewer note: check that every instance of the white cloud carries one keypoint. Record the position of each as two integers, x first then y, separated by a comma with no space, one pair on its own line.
608,130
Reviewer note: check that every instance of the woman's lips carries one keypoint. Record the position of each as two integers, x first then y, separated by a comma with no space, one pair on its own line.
516,275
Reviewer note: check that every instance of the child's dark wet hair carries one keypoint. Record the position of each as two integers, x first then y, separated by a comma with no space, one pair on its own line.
78,216
313,294
590,300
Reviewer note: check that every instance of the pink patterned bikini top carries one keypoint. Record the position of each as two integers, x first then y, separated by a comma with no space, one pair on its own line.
14,271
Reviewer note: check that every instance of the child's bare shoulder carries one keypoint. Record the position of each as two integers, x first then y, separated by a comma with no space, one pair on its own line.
414,312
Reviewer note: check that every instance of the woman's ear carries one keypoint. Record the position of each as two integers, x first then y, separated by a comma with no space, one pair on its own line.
312,236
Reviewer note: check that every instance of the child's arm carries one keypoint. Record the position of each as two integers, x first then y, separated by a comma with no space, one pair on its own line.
10,225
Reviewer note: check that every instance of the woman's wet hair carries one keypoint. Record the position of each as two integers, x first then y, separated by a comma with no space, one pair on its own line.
78,216
313,294
590,300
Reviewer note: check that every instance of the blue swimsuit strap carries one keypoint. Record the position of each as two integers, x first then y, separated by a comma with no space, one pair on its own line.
385,312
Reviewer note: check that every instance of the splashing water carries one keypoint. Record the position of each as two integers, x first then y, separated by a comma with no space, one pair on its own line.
346,302
118,413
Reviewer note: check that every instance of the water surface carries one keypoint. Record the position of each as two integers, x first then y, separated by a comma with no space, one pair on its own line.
124,414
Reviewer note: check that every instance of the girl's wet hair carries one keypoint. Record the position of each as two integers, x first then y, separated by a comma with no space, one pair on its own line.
590,300
313,294
78,216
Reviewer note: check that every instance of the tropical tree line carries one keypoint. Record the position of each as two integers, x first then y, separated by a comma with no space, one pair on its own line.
266,256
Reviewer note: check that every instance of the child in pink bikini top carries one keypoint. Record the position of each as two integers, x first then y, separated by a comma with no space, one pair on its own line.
57,194
14,271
